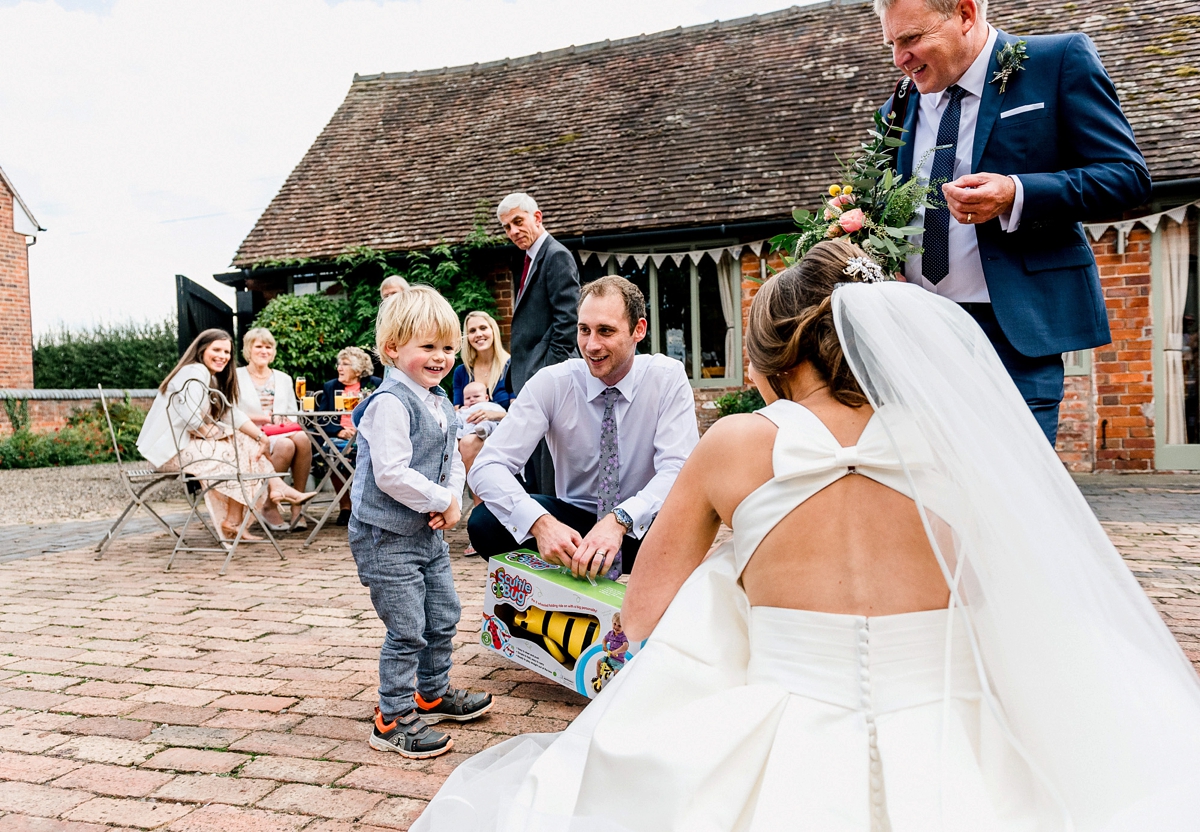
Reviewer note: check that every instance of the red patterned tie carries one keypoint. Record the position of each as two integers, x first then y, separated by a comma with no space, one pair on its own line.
524,274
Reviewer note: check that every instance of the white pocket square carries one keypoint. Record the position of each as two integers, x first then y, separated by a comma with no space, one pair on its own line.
1041,105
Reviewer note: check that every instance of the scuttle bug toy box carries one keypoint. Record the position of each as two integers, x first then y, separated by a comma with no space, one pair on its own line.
541,616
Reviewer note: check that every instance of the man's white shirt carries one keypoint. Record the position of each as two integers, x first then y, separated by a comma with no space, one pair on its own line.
385,426
965,282
531,253
656,431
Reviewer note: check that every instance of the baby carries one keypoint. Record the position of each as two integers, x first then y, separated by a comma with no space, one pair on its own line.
475,399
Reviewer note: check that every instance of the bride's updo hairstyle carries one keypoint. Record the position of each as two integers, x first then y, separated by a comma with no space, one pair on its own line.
791,321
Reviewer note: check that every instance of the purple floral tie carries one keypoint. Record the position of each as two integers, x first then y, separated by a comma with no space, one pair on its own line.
610,468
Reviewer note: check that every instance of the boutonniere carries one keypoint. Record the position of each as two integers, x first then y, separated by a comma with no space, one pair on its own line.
1010,59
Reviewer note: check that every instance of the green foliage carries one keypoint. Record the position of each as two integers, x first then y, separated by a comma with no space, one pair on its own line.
125,355
18,413
311,329
886,200
84,441
740,401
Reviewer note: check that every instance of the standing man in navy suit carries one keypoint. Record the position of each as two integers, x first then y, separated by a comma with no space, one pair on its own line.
1033,144
545,313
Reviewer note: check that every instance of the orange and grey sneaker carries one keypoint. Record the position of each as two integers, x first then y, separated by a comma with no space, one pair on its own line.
409,736
455,704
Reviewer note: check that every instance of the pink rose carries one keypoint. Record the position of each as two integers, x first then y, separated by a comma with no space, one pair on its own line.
843,200
852,221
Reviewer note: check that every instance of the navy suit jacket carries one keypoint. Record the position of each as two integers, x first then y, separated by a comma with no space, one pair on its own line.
1075,154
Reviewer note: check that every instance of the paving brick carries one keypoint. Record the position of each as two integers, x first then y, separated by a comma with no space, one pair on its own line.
292,769
284,745
29,740
187,735
395,781
174,714
342,826
141,814
106,750
188,697
209,788
40,681
318,706
107,690
246,702
338,729
192,759
25,823
112,780
254,721
221,818
94,706
107,726
44,801
37,700
395,813
32,768
340,804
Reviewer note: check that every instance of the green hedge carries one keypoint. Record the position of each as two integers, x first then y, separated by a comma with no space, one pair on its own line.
85,439
740,401
124,355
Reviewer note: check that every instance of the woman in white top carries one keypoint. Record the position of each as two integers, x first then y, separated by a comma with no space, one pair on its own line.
205,445
264,394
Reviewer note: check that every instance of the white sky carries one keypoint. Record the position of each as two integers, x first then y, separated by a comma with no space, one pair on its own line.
148,135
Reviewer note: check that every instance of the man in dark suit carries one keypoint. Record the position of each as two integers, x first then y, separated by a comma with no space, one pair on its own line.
1031,142
545,309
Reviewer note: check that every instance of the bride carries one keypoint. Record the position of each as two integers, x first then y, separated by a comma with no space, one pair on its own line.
918,624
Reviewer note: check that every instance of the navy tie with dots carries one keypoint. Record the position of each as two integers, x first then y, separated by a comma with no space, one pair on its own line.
935,262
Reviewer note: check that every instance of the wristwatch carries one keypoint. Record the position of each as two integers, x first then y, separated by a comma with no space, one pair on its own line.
623,518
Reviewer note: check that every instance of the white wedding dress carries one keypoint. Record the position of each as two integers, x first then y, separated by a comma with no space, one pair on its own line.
1048,696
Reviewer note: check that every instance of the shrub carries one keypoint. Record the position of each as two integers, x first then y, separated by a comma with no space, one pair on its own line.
127,419
70,446
310,329
739,401
128,355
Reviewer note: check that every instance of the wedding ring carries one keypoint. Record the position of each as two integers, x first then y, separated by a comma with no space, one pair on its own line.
602,553
969,218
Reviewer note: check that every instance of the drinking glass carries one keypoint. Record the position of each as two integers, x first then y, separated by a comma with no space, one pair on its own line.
310,403
339,400
301,386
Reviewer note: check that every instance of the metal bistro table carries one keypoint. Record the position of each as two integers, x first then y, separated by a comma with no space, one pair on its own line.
336,459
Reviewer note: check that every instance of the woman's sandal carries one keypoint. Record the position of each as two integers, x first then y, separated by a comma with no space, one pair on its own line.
300,499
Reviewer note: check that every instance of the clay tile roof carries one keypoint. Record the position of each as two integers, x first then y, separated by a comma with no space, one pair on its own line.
723,122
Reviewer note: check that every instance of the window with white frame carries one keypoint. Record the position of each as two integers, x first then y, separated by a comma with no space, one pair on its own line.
695,312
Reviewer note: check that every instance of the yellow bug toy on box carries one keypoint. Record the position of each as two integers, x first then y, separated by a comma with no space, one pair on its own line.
541,616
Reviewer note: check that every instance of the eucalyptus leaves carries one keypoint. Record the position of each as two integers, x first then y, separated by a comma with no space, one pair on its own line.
872,206
1009,60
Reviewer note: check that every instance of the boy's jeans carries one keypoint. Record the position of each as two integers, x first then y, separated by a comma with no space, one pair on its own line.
412,590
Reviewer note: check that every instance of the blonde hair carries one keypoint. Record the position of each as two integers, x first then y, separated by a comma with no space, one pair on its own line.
358,359
499,354
411,314
259,333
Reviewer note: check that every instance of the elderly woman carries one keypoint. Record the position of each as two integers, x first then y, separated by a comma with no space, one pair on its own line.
201,427
264,394
486,361
354,368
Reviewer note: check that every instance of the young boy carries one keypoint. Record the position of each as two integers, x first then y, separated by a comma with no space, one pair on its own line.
406,485
475,399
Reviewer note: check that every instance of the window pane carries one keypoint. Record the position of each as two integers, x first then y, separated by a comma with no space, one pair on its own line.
713,324
675,320
640,278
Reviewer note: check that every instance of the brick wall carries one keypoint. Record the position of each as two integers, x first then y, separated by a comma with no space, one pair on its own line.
16,328
46,415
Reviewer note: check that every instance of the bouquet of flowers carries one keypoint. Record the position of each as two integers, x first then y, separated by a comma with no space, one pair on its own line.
872,206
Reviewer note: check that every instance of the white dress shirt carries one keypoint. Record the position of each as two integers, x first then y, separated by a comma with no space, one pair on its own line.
385,426
531,253
656,430
965,282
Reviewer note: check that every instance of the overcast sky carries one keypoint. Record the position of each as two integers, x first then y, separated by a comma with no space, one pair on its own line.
148,135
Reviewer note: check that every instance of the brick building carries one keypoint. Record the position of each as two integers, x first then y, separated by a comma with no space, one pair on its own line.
18,231
671,158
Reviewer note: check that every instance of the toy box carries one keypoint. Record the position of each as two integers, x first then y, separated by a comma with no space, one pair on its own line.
541,616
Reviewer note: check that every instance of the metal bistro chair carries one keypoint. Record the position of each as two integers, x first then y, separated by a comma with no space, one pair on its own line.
189,410
139,484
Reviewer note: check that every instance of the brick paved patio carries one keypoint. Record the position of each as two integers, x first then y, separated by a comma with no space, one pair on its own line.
133,698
